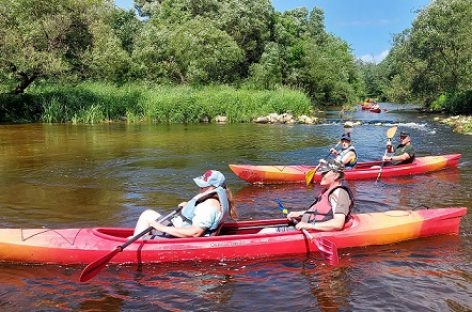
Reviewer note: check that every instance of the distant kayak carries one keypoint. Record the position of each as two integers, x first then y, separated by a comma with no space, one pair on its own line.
237,240
363,171
375,110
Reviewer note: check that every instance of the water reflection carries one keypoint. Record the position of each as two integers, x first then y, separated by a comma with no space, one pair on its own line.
63,176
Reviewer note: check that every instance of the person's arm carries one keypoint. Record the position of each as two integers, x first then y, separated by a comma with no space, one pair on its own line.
335,224
205,214
400,158
351,156
295,214
187,231
340,202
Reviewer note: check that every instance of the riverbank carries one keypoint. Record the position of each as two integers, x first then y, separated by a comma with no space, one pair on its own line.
98,102
460,123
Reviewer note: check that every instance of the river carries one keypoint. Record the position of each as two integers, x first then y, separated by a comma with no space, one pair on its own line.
66,176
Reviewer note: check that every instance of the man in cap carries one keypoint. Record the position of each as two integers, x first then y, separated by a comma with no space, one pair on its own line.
332,208
348,153
404,153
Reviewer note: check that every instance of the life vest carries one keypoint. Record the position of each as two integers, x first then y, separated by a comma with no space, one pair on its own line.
321,210
188,211
351,164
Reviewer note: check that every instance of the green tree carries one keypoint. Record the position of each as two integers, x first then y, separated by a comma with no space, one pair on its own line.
106,59
435,55
267,74
126,26
44,38
193,52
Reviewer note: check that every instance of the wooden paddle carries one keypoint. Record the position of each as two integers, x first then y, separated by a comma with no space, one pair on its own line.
327,249
95,267
309,176
390,134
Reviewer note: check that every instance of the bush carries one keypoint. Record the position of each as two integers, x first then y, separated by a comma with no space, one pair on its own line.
93,102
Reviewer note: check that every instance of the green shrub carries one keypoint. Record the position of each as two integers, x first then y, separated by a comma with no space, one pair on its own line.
94,102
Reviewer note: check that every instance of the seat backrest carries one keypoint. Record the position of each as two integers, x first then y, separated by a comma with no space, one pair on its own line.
218,230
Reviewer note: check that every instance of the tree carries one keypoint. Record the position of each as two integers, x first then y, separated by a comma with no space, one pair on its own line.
193,52
126,27
43,38
106,59
435,55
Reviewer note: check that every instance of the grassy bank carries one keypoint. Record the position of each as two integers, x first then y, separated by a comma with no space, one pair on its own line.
98,102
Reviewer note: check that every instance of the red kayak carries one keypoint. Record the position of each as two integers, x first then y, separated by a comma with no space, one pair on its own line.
363,170
366,107
375,110
237,240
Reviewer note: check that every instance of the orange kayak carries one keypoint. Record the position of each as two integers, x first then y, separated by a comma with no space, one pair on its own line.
237,240
363,170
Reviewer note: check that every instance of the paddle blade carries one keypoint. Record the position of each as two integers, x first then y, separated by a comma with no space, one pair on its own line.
95,267
328,250
309,176
391,132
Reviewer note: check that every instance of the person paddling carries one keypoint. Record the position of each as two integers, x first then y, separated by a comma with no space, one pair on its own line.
331,208
200,216
403,154
348,153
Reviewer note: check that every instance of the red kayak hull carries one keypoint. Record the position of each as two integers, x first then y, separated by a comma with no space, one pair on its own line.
375,110
238,240
363,171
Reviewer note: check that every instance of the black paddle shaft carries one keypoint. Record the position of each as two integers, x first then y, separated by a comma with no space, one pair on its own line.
149,229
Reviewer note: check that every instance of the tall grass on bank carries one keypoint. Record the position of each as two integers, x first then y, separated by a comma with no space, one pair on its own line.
94,102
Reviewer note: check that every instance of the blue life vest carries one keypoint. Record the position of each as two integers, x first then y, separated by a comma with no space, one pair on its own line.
352,163
188,212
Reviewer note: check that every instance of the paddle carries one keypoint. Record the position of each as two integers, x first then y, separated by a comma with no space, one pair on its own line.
327,248
390,134
95,267
311,173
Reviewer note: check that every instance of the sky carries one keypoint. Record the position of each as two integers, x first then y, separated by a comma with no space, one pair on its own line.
367,25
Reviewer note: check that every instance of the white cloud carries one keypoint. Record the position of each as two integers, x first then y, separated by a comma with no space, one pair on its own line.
369,58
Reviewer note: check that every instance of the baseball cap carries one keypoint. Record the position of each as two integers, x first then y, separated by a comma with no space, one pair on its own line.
404,134
330,165
346,136
210,178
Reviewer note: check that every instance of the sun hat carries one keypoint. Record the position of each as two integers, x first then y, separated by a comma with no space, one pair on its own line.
331,165
210,178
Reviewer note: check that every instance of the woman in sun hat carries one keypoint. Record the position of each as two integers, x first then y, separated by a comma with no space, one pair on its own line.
200,216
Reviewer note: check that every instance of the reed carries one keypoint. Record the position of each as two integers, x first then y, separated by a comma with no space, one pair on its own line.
94,102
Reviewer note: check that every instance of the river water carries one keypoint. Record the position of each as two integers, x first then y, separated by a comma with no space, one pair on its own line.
65,176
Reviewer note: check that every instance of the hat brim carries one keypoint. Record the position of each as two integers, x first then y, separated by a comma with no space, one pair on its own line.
201,183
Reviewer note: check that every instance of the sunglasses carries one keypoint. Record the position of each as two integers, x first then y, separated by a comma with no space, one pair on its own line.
403,137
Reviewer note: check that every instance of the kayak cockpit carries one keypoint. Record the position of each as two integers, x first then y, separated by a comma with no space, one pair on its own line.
229,228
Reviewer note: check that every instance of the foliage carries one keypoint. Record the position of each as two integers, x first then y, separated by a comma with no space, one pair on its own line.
194,52
456,103
432,58
44,38
197,44
98,102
